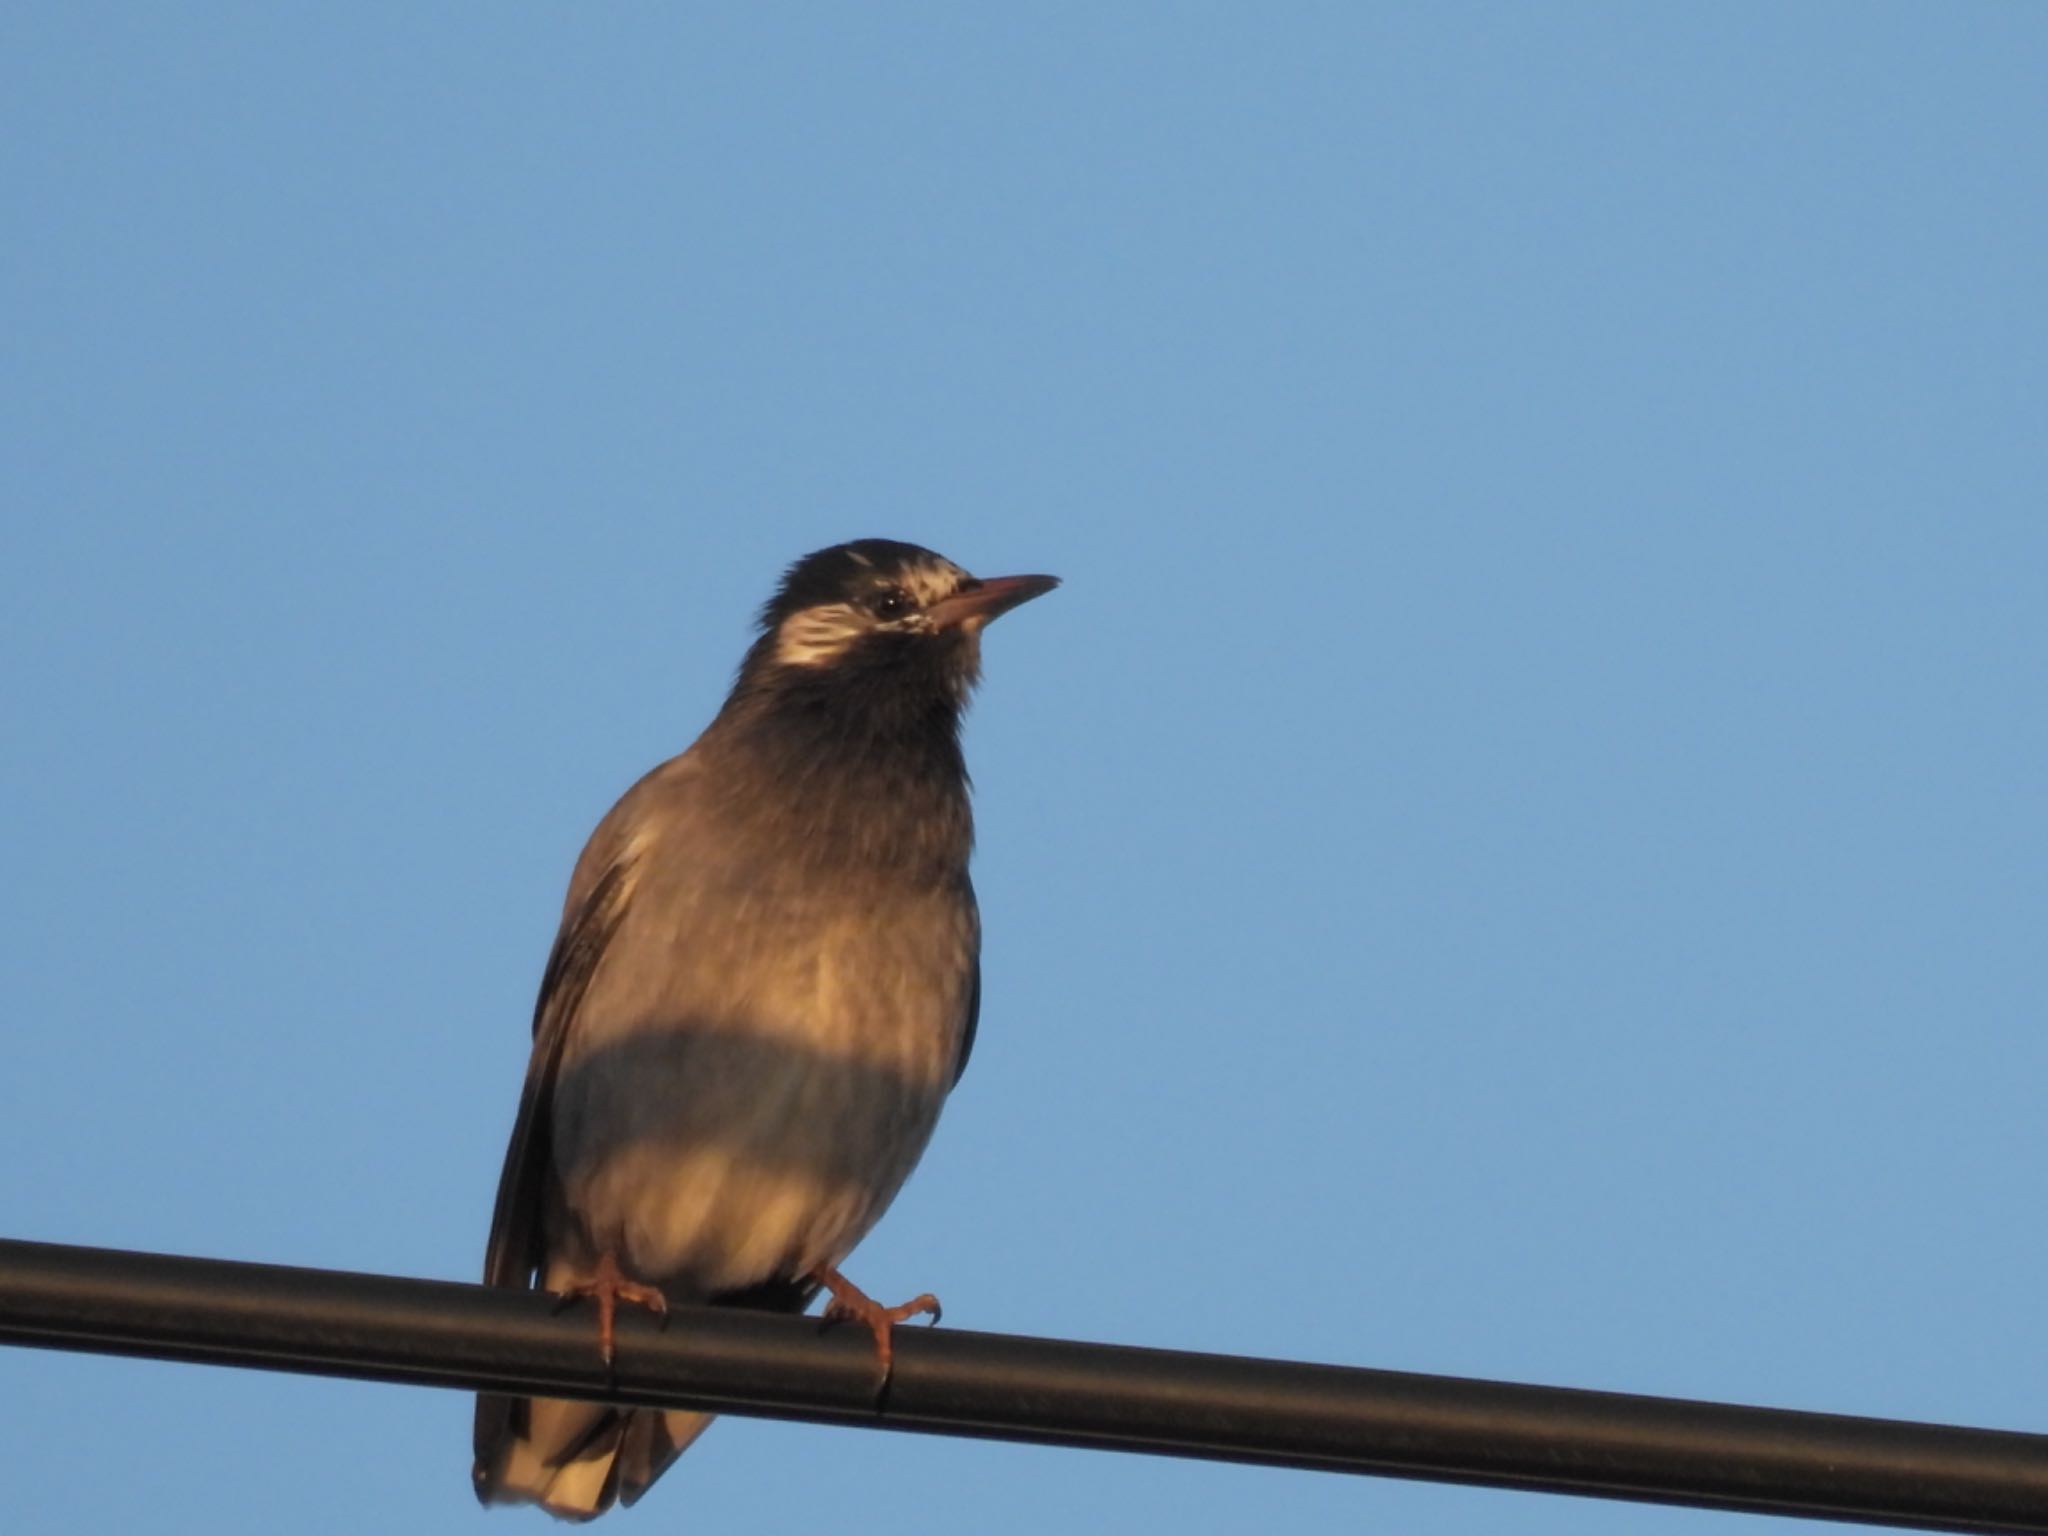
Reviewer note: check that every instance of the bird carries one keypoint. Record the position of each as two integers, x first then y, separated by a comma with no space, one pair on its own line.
766,982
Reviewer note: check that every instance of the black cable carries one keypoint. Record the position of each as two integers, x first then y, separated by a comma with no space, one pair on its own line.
1766,1461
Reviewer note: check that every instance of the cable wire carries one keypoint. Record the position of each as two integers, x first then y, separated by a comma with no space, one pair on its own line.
947,1381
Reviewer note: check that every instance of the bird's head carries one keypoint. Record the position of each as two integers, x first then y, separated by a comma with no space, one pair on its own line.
877,618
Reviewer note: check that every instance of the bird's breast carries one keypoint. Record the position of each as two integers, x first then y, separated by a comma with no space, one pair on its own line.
755,1070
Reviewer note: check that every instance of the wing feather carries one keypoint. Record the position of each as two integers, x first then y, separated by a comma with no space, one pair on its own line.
514,1254
973,1021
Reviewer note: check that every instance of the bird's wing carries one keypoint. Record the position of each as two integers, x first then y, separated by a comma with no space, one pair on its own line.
973,1018
514,1254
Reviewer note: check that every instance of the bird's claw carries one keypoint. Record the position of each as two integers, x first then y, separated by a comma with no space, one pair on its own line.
850,1304
608,1286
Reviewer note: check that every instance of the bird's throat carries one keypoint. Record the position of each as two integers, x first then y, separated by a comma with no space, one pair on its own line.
834,784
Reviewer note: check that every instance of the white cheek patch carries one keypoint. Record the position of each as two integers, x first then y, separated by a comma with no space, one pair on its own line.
816,637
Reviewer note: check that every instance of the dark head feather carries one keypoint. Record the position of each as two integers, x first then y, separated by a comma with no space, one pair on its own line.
841,573
845,715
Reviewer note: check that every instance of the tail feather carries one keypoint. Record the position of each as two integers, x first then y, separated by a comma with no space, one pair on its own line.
574,1459
649,1442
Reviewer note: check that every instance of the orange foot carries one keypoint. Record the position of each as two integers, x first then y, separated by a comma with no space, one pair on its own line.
850,1303
607,1286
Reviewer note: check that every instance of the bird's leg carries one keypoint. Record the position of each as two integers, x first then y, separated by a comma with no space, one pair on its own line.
608,1286
850,1303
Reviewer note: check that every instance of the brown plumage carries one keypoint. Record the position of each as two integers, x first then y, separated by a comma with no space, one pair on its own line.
765,984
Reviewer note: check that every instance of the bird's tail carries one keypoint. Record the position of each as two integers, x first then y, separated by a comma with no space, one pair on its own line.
574,1459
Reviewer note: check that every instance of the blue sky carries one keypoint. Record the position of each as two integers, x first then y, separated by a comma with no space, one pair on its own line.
1518,851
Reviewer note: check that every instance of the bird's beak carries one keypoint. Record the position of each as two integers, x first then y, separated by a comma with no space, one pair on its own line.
974,606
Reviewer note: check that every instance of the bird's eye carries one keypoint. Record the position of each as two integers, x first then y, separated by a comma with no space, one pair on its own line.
890,603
